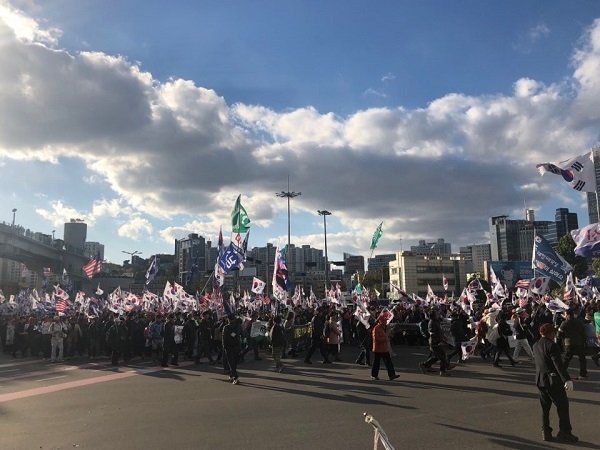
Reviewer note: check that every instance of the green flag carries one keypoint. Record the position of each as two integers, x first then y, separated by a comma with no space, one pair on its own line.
239,218
376,237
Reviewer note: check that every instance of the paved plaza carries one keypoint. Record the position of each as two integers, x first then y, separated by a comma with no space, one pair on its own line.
90,405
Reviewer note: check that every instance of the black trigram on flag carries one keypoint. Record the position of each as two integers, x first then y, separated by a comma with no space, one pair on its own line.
577,166
579,185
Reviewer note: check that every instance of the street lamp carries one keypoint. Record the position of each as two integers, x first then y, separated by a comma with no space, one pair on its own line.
325,213
53,235
288,195
14,214
132,254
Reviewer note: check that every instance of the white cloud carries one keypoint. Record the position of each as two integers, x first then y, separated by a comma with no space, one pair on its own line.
539,31
135,228
174,149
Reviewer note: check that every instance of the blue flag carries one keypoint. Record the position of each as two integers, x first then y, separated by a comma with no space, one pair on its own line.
547,263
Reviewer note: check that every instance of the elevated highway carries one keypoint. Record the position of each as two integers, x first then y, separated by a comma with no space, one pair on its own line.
17,245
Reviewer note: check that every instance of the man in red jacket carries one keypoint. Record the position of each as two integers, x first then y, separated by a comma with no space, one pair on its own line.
381,350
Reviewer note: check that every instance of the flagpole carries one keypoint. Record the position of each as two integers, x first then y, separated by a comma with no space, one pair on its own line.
596,186
207,281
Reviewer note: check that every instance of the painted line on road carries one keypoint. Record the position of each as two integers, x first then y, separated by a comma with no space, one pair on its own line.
52,378
87,382
8,370
14,362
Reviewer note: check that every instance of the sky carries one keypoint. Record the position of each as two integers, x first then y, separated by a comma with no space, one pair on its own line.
146,119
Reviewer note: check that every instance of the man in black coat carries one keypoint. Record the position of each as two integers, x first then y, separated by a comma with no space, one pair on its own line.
553,381
318,326
169,346
572,332
232,345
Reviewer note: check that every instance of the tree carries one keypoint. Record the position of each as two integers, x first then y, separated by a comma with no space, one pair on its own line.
373,279
566,249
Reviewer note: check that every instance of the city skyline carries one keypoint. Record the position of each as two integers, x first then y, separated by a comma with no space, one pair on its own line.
147,123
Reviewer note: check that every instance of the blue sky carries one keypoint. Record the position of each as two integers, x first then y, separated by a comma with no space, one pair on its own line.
147,119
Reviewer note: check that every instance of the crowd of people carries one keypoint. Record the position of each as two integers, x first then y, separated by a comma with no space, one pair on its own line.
228,339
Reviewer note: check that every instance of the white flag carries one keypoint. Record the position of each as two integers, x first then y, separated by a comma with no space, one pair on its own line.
579,172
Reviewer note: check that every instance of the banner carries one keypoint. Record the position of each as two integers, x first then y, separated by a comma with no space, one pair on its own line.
259,329
547,262
587,240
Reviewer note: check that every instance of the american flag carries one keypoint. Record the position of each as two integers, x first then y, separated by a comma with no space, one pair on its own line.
523,302
93,267
523,284
61,305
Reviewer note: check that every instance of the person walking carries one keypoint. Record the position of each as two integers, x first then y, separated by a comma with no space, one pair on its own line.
318,337
572,332
278,342
365,342
333,334
552,381
170,347
502,345
521,329
232,346
115,339
381,350
460,333
58,330
436,340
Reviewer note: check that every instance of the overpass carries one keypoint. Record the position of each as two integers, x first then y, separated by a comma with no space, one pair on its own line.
37,251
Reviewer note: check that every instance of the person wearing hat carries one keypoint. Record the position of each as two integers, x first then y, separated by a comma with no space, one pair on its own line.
552,381
521,328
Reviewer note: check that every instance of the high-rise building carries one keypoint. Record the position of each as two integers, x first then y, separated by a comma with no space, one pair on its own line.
378,261
592,197
354,264
91,249
475,257
432,248
413,273
564,222
188,253
75,233
512,240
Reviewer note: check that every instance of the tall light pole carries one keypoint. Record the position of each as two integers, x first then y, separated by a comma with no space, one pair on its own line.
289,194
14,214
325,213
53,235
132,254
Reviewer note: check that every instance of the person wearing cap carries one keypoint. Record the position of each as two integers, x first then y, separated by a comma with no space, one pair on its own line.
552,381
381,350
521,329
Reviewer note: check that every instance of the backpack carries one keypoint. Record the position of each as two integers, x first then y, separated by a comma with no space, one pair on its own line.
424,328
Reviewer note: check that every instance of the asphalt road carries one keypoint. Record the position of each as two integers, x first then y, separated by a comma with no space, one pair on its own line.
89,405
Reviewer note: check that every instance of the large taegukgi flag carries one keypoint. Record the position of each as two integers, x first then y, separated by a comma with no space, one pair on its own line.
579,172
